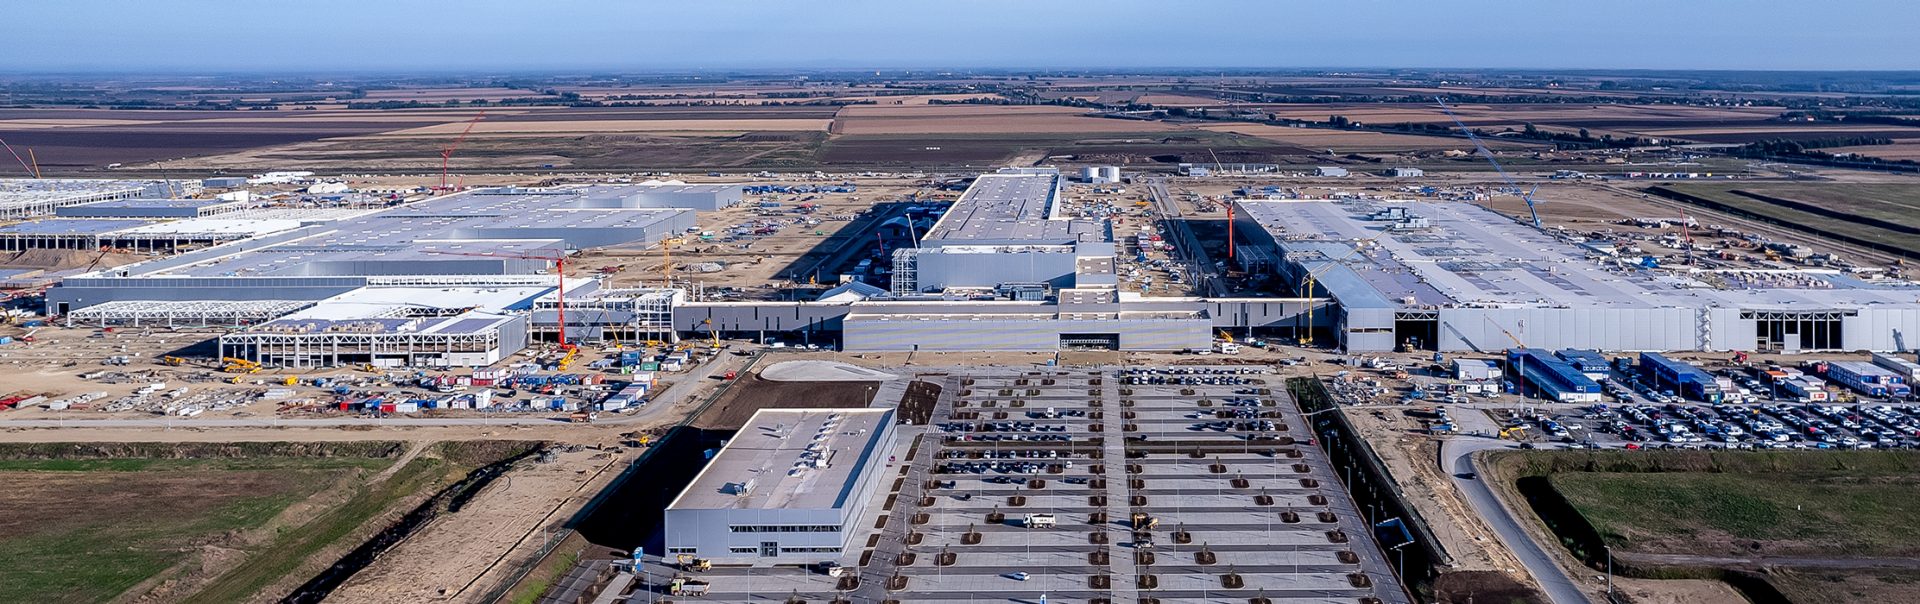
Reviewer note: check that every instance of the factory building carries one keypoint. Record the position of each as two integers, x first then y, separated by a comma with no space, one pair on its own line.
1454,276
31,197
1006,233
503,236
792,487
667,194
392,327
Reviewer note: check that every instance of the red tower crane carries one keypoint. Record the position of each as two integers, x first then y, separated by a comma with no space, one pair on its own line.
446,155
559,260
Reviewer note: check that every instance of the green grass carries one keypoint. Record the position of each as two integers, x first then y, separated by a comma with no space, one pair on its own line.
1846,513
95,561
289,549
152,465
1899,204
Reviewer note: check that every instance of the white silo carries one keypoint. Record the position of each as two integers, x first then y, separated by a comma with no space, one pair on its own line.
1110,173
1090,174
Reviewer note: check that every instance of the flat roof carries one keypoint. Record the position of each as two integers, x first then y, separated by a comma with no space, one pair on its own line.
72,226
383,301
221,226
1012,206
140,202
22,192
771,462
462,227
1472,256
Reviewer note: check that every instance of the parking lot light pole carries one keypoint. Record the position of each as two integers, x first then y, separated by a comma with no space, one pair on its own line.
1609,551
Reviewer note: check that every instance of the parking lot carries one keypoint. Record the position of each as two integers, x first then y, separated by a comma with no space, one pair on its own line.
1192,484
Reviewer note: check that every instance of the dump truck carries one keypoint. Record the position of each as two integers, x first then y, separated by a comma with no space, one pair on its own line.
683,586
582,417
1037,521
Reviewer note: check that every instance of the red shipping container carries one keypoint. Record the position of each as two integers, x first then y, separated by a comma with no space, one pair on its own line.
386,407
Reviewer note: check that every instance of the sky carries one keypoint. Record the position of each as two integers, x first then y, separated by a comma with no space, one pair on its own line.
209,36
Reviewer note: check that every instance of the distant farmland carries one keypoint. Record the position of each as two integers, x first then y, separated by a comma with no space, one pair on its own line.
1882,216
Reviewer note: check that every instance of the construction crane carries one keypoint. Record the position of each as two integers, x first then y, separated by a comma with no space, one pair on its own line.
559,260
1484,152
23,161
446,155
666,267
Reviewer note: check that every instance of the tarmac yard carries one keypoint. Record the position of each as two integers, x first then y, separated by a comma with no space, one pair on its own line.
1229,506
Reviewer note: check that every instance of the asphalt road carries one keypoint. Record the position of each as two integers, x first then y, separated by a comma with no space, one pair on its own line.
1554,581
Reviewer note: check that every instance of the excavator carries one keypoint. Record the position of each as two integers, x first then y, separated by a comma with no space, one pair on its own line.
691,562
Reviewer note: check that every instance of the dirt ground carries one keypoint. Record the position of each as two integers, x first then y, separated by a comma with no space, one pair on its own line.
497,530
1413,461
1678,591
752,394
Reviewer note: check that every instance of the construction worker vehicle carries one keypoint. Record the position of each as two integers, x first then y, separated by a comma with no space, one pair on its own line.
692,562
237,365
173,361
1038,521
1144,522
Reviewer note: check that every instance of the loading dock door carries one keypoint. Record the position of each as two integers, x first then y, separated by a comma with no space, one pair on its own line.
1090,341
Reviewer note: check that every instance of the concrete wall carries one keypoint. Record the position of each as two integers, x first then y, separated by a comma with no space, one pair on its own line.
962,335
81,293
939,269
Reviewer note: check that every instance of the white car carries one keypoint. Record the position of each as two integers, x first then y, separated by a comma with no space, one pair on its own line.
1020,576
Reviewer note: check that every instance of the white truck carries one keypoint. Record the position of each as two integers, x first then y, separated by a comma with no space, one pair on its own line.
1037,521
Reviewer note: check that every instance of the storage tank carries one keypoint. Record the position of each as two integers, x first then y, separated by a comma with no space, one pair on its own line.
1090,174
1110,173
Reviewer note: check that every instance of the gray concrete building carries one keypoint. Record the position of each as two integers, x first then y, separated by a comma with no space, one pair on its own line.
1008,228
1455,276
789,488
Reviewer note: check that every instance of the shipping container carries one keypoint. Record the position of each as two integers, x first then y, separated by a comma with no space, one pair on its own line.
1867,378
1908,371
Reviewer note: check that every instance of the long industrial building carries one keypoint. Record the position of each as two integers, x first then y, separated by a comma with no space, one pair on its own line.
1454,276
31,197
791,487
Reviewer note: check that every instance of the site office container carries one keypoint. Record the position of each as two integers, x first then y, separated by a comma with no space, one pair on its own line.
1907,371
1685,379
1552,377
1587,361
1864,378
1807,390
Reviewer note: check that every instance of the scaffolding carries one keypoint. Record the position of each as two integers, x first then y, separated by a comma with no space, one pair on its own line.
906,271
372,342
625,314
30,197
198,313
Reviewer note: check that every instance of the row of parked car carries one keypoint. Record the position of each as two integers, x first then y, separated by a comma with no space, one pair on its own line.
1778,425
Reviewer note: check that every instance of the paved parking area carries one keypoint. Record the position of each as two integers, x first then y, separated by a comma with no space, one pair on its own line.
1212,464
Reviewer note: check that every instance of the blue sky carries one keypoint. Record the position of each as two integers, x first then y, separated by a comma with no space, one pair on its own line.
532,35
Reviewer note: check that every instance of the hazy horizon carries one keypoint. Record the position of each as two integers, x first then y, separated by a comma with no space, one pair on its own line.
362,36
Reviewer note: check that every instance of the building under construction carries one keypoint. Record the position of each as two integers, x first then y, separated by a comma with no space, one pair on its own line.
1455,276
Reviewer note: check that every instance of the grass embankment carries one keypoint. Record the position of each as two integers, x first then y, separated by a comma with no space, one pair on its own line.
1767,510
1833,513
86,523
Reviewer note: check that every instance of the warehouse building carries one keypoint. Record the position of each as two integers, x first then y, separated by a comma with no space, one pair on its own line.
791,487
148,208
1454,276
